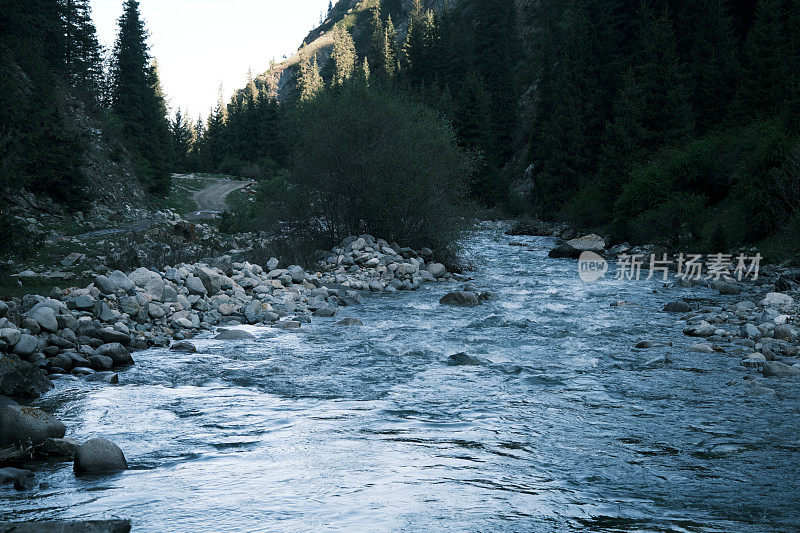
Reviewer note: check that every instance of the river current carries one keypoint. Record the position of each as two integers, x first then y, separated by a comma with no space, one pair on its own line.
563,427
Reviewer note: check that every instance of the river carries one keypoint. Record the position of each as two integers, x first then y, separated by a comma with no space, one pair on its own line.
367,428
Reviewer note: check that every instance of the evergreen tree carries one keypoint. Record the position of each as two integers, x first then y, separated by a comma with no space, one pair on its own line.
764,84
652,110
181,139
138,102
343,55
390,49
83,56
310,80
497,48
712,60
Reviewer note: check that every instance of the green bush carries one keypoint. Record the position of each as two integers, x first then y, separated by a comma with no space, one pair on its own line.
369,162
746,168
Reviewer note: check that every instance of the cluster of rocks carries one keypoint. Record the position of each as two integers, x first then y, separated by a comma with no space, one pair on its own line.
29,433
91,331
760,330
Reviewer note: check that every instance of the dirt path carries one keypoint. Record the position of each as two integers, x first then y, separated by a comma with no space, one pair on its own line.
213,199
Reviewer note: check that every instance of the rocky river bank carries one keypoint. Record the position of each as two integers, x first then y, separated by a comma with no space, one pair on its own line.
89,333
750,327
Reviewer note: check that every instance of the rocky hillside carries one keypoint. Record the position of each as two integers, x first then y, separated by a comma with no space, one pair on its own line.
356,15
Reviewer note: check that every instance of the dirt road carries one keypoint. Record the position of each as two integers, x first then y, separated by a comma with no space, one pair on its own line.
213,199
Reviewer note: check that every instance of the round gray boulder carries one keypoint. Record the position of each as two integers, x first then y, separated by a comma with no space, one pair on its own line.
99,456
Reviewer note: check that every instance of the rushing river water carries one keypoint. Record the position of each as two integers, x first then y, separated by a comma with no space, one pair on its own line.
367,428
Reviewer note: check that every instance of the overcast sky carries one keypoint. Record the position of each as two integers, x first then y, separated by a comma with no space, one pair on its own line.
200,43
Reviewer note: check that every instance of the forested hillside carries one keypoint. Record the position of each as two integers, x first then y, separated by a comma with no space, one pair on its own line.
673,121
75,118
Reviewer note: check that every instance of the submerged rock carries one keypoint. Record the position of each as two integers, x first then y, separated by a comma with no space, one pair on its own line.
67,526
461,299
677,307
22,480
234,335
463,359
99,456
350,321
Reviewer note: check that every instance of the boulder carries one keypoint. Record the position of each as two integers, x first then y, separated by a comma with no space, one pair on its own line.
152,282
117,352
121,281
325,312
99,456
725,287
101,362
104,284
24,423
81,302
703,329
111,335
210,279
461,299
677,307
19,378
777,300
750,331
437,270
575,247
10,336
184,346
45,317
26,346
297,273
195,286
779,370
234,335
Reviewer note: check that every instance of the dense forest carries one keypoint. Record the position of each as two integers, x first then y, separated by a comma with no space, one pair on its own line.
674,122
664,121
53,73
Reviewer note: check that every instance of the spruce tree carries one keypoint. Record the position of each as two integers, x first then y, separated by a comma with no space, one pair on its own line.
138,102
497,49
764,78
83,56
310,80
652,110
712,60
343,55
182,140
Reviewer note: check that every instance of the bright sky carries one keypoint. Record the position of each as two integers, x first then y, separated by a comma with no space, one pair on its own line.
200,43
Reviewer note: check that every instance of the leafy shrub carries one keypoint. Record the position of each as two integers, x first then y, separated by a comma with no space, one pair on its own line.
369,162
748,165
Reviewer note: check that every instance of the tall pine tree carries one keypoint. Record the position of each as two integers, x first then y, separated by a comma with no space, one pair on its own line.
138,102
